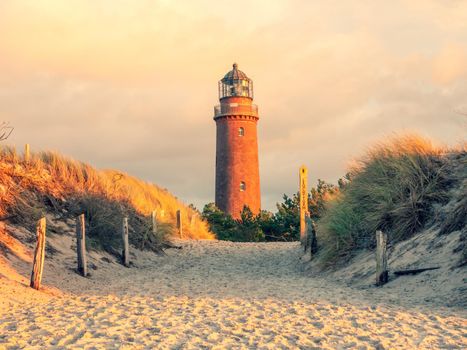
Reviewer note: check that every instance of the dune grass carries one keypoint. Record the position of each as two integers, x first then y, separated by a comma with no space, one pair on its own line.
54,184
395,187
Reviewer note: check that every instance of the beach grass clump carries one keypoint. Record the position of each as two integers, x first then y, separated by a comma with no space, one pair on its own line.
54,184
395,188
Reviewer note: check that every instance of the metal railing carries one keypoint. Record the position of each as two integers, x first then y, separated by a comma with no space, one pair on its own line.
235,109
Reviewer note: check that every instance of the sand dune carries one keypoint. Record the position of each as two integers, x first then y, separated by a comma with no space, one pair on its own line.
214,295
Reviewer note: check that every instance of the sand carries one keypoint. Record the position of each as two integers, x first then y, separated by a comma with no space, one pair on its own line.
210,295
445,286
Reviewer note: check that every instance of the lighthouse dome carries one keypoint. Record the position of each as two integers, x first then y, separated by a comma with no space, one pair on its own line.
235,83
235,74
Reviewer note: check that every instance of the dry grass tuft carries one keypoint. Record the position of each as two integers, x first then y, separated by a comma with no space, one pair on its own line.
395,187
53,183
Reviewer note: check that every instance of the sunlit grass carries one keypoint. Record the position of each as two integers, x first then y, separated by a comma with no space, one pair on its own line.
395,188
50,182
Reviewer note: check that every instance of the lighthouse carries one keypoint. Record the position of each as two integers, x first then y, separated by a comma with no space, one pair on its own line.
237,166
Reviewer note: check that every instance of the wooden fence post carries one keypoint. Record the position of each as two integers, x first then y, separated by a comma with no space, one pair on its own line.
26,154
179,223
39,254
154,222
381,258
81,245
311,235
126,250
303,195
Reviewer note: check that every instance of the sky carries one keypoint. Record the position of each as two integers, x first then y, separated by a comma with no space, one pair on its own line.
131,85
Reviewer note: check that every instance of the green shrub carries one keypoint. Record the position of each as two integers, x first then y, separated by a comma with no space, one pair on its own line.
286,221
221,224
284,225
245,229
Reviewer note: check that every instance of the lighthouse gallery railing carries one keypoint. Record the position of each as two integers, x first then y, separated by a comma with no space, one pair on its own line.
235,109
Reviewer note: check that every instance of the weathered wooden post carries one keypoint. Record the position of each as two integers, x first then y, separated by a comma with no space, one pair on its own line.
303,194
179,223
311,235
381,258
81,245
306,236
126,249
39,254
27,155
154,222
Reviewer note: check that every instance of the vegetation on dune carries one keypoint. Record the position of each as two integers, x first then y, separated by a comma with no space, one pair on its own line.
396,188
284,225
51,183
245,229
401,186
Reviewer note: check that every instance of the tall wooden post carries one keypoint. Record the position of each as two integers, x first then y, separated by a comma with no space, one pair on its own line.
154,222
27,155
39,254
126,249
381,258
81,245
303,193
179,223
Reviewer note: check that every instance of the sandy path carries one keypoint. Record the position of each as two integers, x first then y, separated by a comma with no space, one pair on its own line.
223,295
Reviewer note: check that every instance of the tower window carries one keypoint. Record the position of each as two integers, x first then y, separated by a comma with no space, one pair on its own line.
241,132
242,186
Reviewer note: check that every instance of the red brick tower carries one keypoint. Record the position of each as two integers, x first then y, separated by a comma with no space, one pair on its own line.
237,169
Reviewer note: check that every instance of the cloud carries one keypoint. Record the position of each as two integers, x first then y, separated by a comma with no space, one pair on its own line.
132,85
449,65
